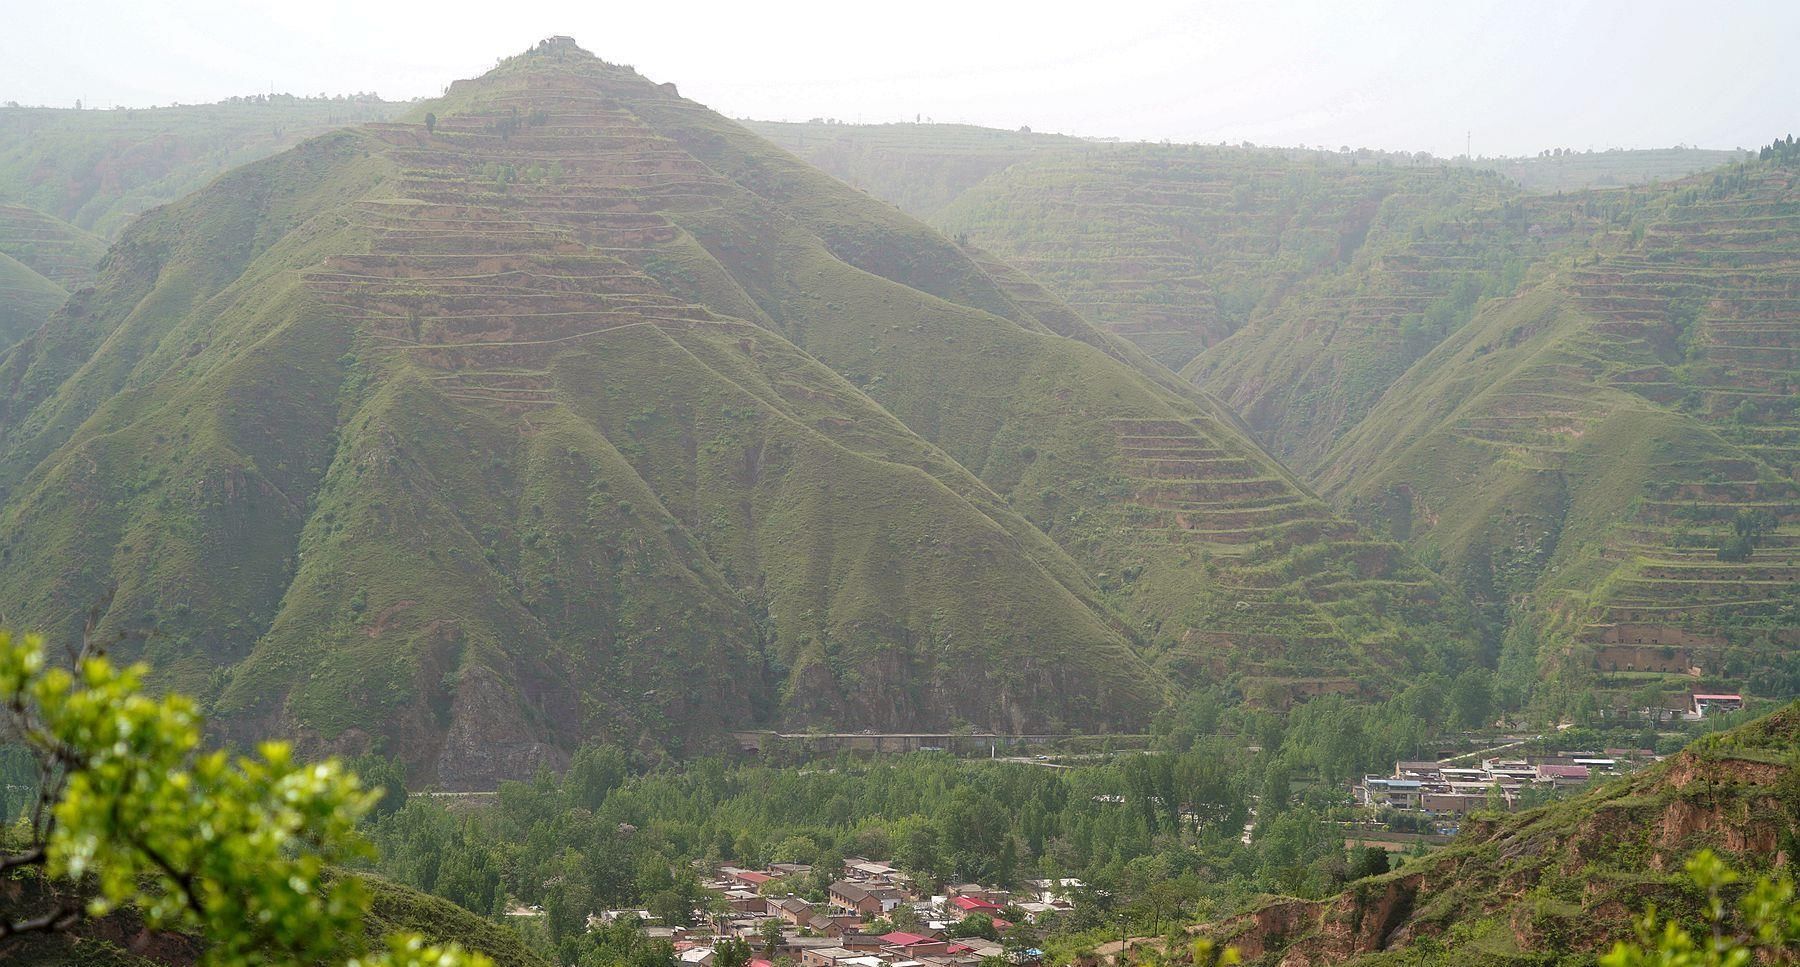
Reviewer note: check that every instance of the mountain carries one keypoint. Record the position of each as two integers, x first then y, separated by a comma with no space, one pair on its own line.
1563,880
98,169
1563,401
1309,363
1618,445
1175,247
71,179
42,258
918,168
567,408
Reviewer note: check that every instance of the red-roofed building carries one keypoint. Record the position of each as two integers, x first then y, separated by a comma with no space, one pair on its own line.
969,904
749,878
1562,775
901,938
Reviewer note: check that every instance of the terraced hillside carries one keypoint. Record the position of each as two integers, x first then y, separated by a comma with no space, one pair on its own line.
99,169
1613,168
919,168
1564,879
1619,442
1176,247
41,260
584,412
1309,365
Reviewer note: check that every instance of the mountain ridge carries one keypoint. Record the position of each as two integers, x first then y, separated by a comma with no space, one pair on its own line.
579,412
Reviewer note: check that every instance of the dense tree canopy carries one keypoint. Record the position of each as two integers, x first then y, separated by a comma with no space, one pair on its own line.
130,812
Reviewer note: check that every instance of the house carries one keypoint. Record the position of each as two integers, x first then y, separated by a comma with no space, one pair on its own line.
792,910
865,900
832,925
795,948
979,892
1562,775
1395,793
695,957
744,901
749,879
966,905
861,868
1705,704
825,956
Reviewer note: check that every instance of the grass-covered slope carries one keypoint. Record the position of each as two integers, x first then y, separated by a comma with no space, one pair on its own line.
1177,247
1224,561
42,259
99,169
1561,882
26,299
1311,362
585,412
1594,444
396,439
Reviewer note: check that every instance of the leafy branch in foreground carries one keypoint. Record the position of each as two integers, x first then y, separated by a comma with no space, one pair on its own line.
1767,928
130,812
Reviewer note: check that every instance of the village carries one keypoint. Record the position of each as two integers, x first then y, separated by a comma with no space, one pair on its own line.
1444,792
874,916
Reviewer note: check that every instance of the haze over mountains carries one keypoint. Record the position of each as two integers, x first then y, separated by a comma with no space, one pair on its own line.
1569,403
584,412
582,391
692,513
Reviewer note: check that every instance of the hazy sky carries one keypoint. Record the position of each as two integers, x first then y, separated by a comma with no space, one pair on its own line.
1519,75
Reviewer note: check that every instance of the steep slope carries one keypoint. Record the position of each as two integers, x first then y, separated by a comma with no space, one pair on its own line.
26,299
1176,247
587,412
388,439
1229,566
1561,880
1596,443
99,169
1309,364
41,260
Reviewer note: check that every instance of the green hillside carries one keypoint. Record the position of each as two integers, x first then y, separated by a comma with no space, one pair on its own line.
1176,247
1387,329
99,169
586,413
1309,364
41,259
1599,443
1560,883
26,299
